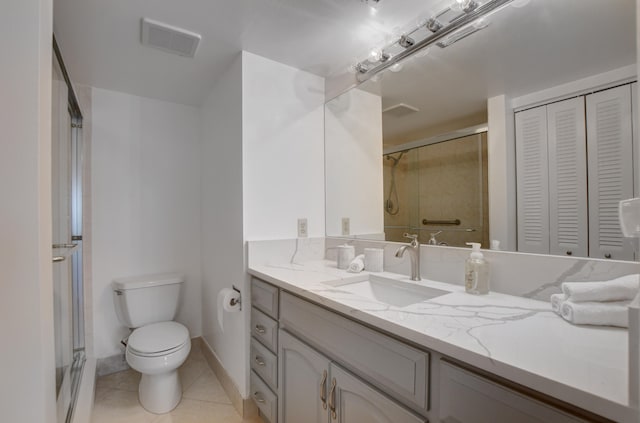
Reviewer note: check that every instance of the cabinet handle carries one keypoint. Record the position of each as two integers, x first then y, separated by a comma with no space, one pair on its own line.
608,255
258,397
259,361
323,390
332,399
569,252
261,329
58,259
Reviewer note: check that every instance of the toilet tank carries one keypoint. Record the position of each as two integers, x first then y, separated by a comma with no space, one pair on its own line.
140,300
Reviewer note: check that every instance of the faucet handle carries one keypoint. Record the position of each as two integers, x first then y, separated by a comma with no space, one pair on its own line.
412,237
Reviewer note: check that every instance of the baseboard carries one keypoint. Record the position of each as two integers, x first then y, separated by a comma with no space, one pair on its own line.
245,407
112,364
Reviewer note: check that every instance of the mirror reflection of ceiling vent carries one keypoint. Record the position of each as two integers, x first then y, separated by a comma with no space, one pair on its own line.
400,109
169,38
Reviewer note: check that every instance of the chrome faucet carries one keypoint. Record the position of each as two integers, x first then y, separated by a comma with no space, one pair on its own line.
414,250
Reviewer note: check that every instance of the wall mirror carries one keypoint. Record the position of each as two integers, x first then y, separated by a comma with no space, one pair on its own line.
441,146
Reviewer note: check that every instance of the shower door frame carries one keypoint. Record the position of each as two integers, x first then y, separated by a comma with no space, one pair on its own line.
73,377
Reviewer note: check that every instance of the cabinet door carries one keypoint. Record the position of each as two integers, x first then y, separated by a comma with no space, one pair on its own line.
356,402
532,174
468,398
610,164
303,382
567,145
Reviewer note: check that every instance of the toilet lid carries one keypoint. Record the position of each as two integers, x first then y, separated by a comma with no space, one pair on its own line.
158,337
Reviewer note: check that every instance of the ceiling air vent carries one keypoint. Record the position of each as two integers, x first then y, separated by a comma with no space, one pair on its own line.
169,38
399,110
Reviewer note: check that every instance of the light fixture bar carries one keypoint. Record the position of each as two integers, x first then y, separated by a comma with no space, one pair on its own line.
460,35
364,73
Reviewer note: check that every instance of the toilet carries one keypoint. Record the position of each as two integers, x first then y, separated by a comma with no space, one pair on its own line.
157,346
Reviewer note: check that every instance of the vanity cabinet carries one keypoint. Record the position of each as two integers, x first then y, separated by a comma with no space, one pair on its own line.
574,163
316,390
263,359
466,397
331,368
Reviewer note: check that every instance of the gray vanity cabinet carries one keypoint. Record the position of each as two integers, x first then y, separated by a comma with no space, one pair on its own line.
315,390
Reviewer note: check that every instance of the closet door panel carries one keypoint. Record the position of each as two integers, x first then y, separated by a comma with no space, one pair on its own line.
610,169
532,180
568,216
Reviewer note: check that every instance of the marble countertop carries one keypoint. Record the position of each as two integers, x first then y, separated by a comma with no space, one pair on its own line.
517,338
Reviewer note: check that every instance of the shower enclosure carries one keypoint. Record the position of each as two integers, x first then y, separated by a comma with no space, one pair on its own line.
437,188
66,197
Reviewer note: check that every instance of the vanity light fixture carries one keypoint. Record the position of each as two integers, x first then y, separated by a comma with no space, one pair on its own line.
442,29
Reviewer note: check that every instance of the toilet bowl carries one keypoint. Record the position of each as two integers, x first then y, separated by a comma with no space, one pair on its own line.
156,351
157,346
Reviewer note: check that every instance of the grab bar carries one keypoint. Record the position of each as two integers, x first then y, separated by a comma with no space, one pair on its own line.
455,222
64,245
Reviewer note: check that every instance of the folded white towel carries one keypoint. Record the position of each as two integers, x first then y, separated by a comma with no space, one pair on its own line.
556,302
613,313
620,289
357,264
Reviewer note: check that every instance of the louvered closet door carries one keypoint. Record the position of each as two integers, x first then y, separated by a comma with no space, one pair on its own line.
610,165
532,180
568,215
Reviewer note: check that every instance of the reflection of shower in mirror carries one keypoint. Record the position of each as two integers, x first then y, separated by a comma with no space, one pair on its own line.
390,206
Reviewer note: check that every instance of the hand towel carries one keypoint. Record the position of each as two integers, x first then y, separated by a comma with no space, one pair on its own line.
356,265
613,313
620,289
556,302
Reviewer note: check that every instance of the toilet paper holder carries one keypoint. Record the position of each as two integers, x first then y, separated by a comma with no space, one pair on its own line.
239,300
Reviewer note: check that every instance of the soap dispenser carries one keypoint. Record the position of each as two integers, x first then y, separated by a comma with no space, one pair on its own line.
476,272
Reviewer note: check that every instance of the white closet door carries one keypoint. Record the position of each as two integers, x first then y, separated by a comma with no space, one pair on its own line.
568,216
610,164
532,180
636,141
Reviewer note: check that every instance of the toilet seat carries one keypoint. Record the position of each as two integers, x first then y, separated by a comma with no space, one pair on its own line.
158,339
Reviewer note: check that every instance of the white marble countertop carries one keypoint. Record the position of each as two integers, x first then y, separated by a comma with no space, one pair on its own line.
517,338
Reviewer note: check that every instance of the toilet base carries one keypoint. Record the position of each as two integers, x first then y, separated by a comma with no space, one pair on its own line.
160,393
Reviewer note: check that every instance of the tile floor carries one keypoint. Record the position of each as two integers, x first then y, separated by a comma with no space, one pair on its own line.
203,400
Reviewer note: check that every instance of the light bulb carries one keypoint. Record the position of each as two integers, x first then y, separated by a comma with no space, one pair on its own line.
397,67
375,54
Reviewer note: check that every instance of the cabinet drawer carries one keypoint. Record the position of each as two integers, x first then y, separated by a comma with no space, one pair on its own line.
264,297
394,367
264,398
466,397
264,363
264,329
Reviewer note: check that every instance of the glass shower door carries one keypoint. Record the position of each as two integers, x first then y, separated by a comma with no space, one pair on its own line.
66,202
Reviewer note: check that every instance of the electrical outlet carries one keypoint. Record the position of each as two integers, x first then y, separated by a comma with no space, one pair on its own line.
303,229
345,226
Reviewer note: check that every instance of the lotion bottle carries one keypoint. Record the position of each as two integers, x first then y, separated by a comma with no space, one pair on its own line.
476,272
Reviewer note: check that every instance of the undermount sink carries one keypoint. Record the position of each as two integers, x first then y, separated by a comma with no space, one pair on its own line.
391,291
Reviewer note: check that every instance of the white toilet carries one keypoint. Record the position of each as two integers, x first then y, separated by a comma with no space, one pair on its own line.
157,346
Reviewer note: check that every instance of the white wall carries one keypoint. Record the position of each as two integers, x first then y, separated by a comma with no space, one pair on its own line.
145,203
27,385
262,169
502,173
354,179
222,243
283,149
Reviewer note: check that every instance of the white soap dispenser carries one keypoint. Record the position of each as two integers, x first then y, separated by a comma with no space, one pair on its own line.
476,272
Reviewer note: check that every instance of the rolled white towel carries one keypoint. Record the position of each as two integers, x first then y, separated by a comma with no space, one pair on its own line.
620,289
556,302
356,265
613,313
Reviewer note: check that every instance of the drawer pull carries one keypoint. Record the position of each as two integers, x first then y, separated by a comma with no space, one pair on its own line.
259,360
332,399
261,329
258,397
608,255
323,390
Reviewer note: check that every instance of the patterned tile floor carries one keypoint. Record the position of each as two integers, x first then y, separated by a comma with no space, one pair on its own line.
203,400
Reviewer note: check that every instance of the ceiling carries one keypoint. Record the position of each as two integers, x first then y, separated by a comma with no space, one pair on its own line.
100,40
523,50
